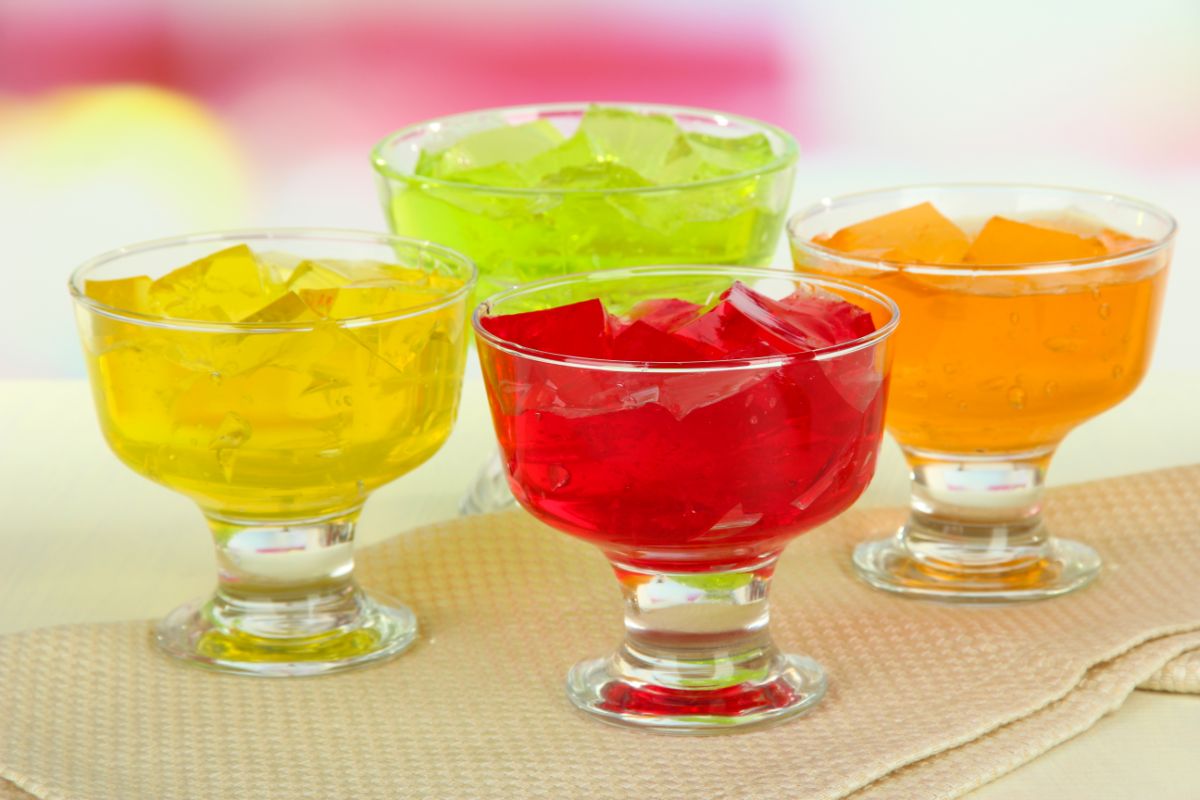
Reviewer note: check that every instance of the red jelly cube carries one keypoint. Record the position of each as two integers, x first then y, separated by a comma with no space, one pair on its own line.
826,316
727,329
794,335
746,323
667,314
640,341
579,329
616,324
665,468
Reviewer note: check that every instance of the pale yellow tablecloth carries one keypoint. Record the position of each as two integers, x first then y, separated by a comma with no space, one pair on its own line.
76,520
926,700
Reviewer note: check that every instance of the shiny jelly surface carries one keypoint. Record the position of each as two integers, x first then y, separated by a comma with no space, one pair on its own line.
990,359
299,420
620,188
682,466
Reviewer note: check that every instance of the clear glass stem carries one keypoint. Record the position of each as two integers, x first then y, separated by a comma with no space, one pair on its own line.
286,603
489,491
696,631
975,532
697,656
977,513
287,580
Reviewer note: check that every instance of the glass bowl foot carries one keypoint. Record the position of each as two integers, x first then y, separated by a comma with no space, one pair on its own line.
279,639
890,564
789,686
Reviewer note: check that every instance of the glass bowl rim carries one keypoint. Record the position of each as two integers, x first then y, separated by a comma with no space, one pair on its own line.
680,367
827,203
781,161
248,235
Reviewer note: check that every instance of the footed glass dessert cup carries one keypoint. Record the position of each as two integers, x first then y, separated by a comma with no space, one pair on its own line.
277,378
531,192
1028,310
652,412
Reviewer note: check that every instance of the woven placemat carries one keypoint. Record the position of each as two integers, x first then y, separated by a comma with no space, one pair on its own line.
922,695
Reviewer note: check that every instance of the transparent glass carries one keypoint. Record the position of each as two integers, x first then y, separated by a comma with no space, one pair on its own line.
279,431
691,478
521,235
994,366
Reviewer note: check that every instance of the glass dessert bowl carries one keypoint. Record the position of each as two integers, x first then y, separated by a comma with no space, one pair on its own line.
689,422
531,192
277,378
1028,310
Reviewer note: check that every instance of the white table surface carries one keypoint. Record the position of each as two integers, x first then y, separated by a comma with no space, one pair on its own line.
84,539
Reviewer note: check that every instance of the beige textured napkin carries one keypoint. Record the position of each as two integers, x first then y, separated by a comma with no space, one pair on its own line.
922,695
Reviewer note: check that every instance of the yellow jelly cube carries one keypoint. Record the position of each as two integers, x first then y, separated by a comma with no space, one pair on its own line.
378,273
329,273
126,294
365,301
287,308
278,267
395,274
280,263
225,286
315,275
443,284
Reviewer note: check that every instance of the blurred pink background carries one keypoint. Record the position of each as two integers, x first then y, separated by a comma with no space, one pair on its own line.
136,119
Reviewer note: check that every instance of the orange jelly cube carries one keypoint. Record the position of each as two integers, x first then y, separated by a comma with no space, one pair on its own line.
916,234
1005,241
1117,242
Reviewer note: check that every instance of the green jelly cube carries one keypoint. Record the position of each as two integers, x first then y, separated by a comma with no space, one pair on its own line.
642,142
599,175
508,143
732,154
573,153
500,175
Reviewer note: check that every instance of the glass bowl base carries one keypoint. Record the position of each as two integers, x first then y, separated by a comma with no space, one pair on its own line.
791,686
489,491
889,564
200,634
